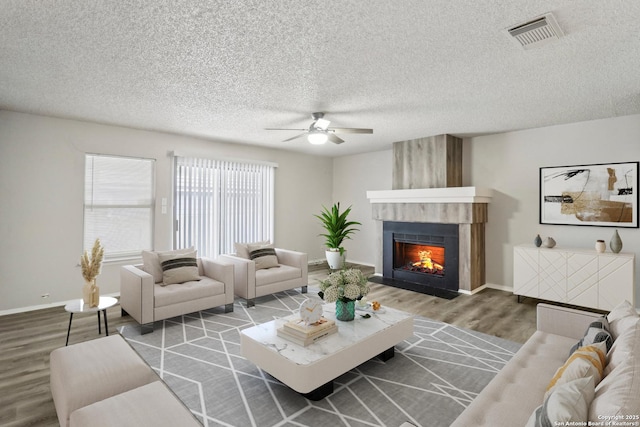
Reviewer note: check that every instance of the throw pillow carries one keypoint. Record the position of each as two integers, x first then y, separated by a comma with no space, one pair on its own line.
178,267
617,394
622,317
263,255
242,249
569,402
597,331
151,263
626,346
588,361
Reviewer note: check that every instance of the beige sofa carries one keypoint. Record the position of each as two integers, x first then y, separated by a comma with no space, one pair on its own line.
147,300
251,282
104,383
519,388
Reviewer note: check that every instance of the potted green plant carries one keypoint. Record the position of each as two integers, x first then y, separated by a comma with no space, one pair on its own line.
337,229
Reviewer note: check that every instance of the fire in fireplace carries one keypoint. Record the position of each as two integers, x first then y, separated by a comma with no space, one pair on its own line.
418,258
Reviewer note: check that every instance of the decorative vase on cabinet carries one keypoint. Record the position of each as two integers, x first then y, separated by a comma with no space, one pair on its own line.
537,241
549,242
616,242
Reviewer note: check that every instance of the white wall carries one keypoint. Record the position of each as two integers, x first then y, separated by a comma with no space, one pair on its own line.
41,199
509,163
41,185
353,176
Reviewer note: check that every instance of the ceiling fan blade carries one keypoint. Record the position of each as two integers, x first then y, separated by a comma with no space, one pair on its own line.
295,137
335,139
301,130
350,130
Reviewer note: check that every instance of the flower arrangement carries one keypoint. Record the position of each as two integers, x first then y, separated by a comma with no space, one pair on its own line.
345,285
91,266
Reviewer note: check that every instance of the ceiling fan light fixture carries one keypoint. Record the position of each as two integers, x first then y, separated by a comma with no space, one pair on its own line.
319,131
317,137
322,124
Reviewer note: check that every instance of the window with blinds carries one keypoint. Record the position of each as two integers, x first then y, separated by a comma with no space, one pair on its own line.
118,204
220,202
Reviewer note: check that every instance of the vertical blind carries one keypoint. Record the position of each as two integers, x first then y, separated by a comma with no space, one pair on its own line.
118,204
220,202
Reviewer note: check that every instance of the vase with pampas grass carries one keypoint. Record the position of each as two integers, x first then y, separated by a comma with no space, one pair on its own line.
90,269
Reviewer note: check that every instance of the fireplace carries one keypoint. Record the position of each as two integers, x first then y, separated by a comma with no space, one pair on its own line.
433,228
425,255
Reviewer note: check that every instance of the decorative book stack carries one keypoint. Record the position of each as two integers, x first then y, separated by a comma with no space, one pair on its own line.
296,331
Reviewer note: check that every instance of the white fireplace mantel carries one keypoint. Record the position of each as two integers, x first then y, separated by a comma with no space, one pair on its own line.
432,195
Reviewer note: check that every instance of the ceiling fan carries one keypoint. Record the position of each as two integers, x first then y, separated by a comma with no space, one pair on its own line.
319,131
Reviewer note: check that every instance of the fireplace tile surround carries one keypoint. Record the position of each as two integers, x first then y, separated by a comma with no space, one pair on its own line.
468,217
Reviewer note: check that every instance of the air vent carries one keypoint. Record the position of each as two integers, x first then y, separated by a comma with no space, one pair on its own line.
537,32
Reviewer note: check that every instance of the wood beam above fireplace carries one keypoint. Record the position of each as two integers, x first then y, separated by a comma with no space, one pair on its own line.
430,162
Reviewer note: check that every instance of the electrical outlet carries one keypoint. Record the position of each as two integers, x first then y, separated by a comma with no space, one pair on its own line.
45,295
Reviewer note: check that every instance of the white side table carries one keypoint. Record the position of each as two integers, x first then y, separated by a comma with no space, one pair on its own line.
78,306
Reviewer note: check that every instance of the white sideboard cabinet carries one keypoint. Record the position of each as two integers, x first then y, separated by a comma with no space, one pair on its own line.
579,277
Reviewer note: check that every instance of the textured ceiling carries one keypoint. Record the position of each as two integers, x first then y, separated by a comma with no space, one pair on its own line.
225,70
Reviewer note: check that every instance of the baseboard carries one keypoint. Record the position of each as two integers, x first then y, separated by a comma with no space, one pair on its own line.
486,286
349,261
499,287
366,264
475,291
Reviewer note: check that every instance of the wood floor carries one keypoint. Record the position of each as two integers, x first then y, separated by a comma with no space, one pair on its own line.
490,311
27,339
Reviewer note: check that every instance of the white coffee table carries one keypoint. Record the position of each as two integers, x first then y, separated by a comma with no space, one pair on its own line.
311,370
78,306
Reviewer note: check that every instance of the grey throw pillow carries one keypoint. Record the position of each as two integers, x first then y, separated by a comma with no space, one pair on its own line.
151,262
597,331
178,267
242,249
263,255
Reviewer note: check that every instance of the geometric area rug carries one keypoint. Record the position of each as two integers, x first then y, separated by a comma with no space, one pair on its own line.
434,375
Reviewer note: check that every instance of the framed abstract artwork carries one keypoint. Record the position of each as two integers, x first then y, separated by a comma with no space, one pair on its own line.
602,195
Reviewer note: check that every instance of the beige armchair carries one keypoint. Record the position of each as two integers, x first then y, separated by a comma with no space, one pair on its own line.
148,301
251,282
